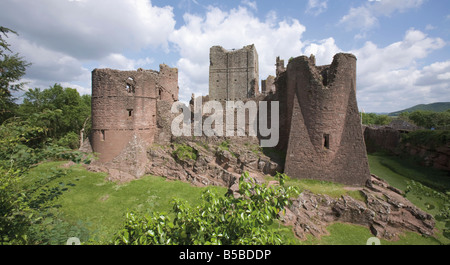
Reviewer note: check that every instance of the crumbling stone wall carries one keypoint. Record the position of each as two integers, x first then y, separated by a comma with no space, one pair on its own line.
381,139
268,85
323,128
124,105
233,75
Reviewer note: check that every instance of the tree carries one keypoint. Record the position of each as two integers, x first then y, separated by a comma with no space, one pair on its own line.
70,112
23,143
430,119
12,68
374,119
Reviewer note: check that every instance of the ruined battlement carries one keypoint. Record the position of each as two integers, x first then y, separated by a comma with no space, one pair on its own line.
233,74
124,103
319,123
323,128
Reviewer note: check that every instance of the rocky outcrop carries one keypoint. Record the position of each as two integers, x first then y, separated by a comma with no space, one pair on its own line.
213,165
385,212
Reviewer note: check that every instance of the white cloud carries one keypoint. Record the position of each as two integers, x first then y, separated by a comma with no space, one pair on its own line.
90,29
58,37
390,78
120,62
324,51
231,29
429,27
316,7
365,17
251,4
47,65
359,18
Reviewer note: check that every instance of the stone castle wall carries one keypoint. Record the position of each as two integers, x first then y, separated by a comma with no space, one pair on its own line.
124,105
323,129
319,121
233,75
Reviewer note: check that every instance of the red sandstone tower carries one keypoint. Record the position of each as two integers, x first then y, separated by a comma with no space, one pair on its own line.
325,139
124,107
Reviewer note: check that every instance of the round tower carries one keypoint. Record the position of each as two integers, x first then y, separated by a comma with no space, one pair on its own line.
123,105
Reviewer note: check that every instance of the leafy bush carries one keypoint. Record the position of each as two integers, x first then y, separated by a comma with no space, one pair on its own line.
218,220
15,214
225,146
70,140
22,145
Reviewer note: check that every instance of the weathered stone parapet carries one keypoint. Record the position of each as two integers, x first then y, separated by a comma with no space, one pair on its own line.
323,126
233,75
124,105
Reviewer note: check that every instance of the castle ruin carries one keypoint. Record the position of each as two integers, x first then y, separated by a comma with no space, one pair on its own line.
233,75
320,128
124,105
320,132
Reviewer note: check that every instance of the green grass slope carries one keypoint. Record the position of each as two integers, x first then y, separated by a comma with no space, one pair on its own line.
101,205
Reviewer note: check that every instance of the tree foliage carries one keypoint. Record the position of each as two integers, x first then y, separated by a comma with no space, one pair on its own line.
429,119
70,111
219,219
12,68
45,126
375,119
23,143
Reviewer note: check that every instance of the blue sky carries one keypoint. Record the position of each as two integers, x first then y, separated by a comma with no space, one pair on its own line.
402,46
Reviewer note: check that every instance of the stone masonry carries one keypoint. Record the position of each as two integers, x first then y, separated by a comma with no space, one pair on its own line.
322,127
233,75
320,131
124,107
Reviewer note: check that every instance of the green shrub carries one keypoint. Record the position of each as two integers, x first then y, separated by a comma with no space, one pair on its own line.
218,220
184,152
70,140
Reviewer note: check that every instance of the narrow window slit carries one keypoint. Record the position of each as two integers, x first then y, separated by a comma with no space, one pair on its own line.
326,141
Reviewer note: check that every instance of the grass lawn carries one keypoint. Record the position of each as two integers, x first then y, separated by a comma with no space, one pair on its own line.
101,205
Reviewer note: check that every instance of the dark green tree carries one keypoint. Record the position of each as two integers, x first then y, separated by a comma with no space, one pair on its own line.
12,69
70,111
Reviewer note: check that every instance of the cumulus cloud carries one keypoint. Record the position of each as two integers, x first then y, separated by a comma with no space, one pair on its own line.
323,50
231,29
59,37
47,64
365,17
391,78
120,62
90,29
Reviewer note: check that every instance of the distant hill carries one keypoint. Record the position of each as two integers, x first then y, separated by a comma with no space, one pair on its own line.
438,106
